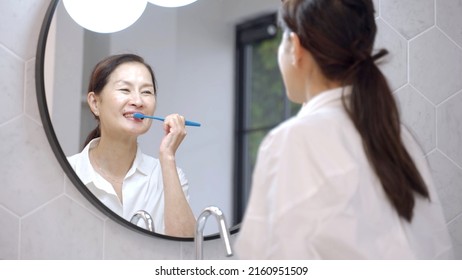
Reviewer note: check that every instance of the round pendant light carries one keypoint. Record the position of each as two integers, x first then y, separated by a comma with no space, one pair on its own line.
171,3
105,16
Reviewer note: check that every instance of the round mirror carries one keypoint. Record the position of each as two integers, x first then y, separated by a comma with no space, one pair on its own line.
192,52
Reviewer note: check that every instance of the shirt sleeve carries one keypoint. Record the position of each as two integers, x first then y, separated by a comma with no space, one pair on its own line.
184,183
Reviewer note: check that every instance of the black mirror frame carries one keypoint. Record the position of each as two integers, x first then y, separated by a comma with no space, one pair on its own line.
56,147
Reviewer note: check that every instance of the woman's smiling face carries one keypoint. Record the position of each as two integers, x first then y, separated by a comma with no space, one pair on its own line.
129,90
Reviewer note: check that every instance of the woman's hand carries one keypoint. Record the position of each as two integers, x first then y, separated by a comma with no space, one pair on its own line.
178,216
175,132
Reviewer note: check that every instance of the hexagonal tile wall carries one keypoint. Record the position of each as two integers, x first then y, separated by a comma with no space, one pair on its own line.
449,127
447,177
419,116
408,17
9,235
62,229
30,98
435,65
24,159
21,23
11,85
455,229
448,18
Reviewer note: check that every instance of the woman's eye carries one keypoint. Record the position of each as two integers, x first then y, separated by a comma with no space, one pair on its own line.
147,92
124,90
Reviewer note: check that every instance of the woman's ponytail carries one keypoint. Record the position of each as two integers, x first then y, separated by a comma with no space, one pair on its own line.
95,133
374,113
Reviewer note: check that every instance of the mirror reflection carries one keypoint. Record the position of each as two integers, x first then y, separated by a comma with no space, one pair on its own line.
112,165
192,52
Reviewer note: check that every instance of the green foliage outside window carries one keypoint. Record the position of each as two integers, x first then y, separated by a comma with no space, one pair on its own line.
268,103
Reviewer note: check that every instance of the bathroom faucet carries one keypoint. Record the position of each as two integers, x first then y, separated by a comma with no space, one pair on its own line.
141,214
200,224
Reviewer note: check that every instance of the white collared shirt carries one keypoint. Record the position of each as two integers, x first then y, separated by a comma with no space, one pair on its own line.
142,186
315,196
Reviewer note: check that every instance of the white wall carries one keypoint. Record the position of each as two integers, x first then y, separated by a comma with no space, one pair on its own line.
67,77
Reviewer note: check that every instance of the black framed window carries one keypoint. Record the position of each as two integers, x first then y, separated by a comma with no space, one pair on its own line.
261,102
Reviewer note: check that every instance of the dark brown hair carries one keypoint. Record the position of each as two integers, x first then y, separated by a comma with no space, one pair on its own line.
340,35
100,76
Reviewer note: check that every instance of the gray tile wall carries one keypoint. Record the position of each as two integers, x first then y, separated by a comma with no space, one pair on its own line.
42,216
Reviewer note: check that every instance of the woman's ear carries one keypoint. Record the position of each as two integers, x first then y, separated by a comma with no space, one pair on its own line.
296,48
93,103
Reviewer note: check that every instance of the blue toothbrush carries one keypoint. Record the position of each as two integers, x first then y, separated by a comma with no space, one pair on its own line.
141,116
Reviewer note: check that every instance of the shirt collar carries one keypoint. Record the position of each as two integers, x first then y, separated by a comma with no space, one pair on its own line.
332,97
139,164
85,170
88,173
